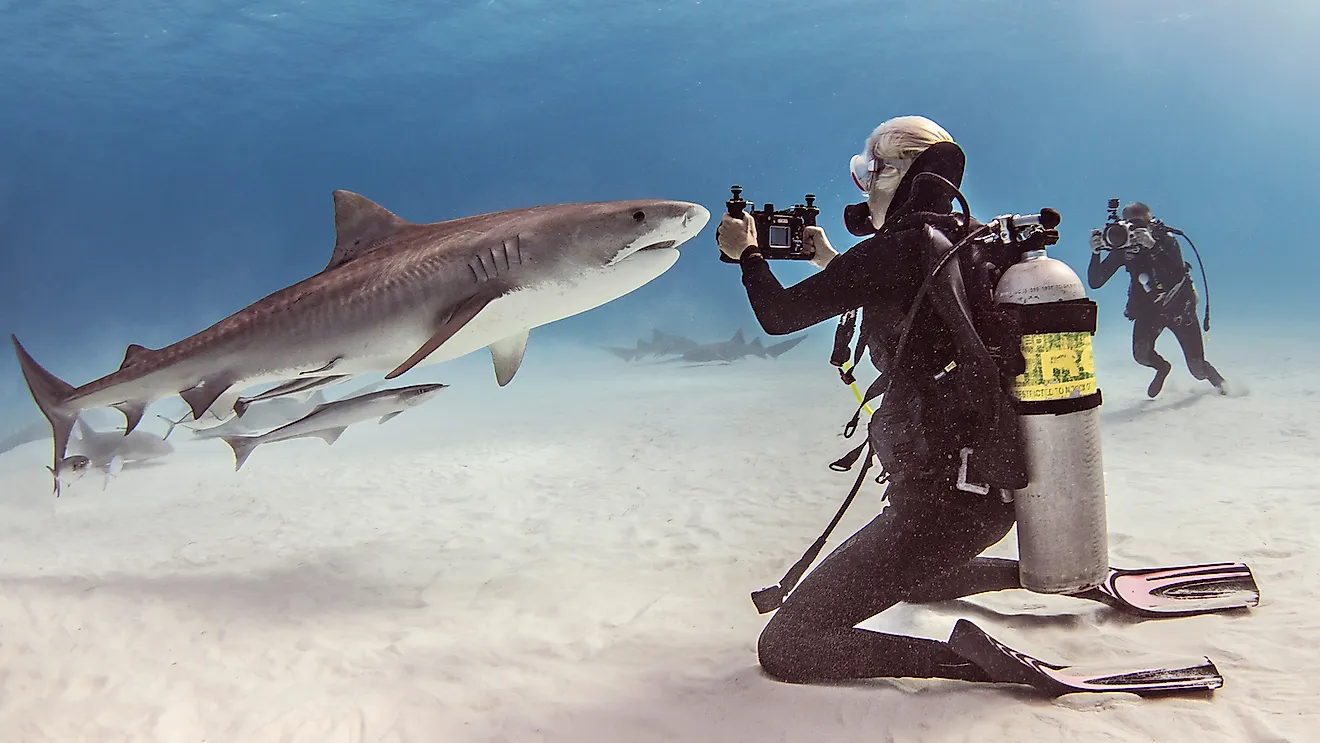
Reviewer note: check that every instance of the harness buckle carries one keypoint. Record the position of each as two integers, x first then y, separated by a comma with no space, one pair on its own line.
963,484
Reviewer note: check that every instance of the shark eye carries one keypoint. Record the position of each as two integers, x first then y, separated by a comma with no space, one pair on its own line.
639,216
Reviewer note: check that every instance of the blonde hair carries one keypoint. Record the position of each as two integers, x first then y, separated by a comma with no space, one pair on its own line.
905,138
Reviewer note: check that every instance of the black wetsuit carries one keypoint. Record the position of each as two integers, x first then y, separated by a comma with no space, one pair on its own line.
1169,302
924,545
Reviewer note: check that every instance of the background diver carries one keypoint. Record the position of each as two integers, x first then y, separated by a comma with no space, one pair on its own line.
925,546
1160,294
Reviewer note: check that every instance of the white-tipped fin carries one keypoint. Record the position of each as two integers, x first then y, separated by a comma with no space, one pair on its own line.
330,435
507,355
132,414
201,397
242,446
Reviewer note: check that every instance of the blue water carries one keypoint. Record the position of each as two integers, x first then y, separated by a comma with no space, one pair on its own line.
164,164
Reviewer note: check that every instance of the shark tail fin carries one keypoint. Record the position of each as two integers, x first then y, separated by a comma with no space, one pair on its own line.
51,395
243,447
173,424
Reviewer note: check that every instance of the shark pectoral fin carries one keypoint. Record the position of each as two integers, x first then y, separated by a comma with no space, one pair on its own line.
360,223
202,396
330,435
243,447
507,355
132,414
461,315
390,416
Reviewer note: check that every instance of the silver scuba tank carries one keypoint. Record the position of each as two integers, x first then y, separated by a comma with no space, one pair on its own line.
1062,528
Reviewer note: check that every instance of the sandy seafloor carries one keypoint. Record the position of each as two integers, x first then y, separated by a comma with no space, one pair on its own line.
569,559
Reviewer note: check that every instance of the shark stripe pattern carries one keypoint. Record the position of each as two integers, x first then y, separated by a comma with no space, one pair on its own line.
395,295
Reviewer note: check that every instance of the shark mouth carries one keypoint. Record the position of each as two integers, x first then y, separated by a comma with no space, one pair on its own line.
626,254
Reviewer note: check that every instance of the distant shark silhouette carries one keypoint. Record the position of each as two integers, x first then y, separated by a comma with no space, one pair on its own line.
678,348
737,348
661,344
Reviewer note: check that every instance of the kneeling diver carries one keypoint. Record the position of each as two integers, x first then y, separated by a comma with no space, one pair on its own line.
945,393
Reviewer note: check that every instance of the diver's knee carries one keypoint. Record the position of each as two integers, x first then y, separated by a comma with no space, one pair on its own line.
780,652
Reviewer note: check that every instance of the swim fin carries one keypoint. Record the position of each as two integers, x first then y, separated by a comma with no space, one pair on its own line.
1006,665
1179,591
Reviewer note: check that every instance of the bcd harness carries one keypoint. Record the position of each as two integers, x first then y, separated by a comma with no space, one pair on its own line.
1004,349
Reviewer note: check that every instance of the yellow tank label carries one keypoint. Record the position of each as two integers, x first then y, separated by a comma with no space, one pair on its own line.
1059,366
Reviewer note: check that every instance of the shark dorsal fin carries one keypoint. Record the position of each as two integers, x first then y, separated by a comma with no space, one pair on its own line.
360,223
738,336
133,354
756,342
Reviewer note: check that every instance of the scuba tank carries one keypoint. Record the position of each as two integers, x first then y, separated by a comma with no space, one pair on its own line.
1061,520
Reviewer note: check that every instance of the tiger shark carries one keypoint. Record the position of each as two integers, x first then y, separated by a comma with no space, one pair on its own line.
395,295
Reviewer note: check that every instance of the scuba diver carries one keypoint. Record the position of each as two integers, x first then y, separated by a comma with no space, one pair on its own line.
1160,294
946,368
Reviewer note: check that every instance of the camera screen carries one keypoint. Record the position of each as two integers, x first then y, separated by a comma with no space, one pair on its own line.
779,237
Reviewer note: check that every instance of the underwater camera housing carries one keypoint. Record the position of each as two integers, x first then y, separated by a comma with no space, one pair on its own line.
1117,233
778,233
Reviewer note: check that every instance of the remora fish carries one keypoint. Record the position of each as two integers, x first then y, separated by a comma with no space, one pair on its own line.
329,420
395,295
270,414
108,451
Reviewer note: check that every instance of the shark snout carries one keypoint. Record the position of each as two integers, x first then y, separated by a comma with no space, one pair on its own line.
422,393
694,220
669,225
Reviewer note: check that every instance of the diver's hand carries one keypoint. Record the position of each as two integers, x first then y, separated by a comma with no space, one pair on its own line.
818,246
734,235
1142,237
1097,242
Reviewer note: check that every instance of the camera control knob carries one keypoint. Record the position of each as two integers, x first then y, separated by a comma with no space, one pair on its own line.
736,205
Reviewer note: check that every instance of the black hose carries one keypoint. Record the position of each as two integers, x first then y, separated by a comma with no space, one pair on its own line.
1204,281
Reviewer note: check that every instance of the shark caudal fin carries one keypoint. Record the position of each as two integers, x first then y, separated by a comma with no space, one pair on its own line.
51,395
243,447
173,424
